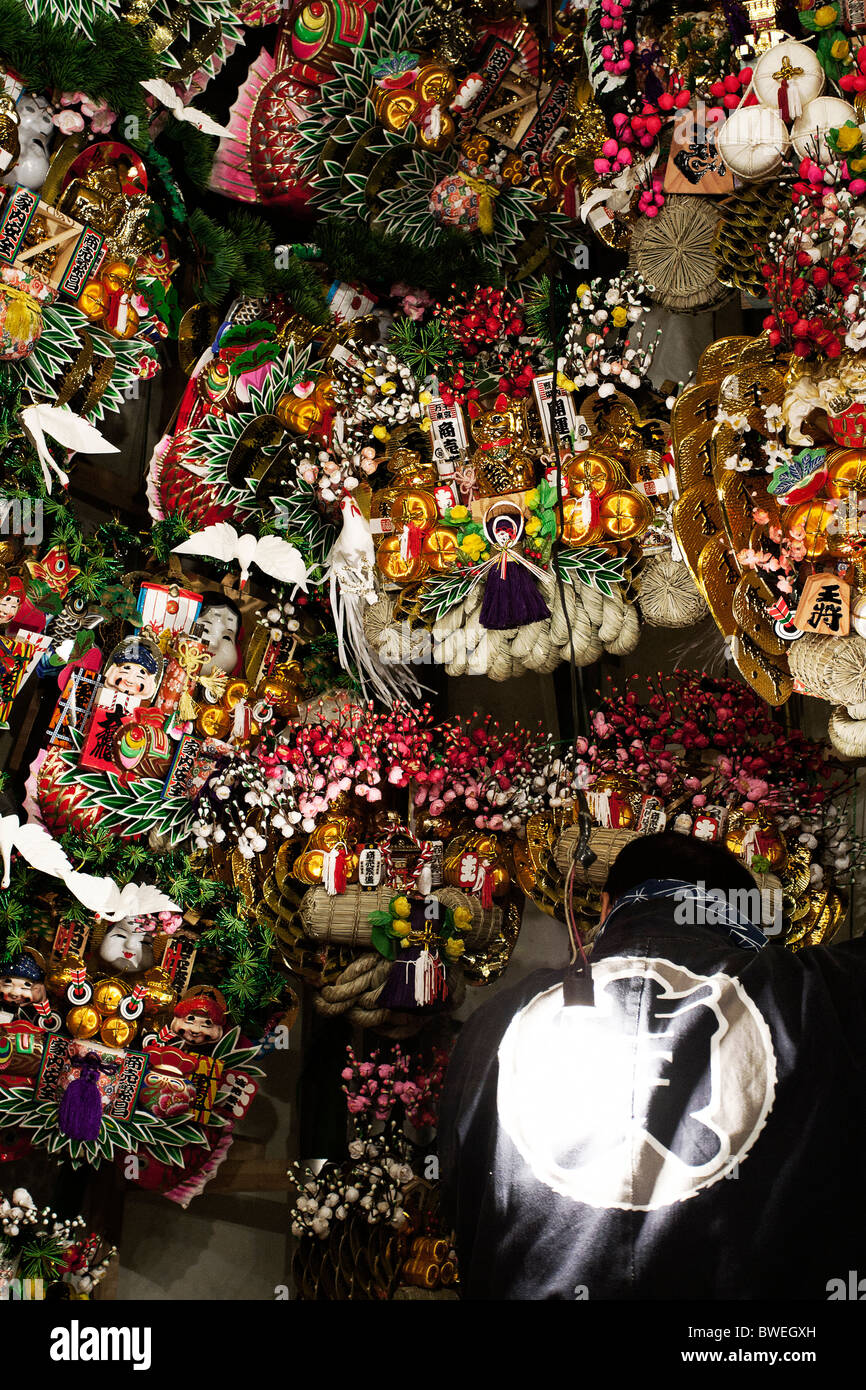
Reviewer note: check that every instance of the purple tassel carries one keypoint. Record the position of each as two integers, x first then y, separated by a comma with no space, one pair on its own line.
738,20
414,983
80,1113
511,600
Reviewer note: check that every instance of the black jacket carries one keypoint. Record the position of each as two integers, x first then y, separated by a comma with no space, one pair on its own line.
698,1133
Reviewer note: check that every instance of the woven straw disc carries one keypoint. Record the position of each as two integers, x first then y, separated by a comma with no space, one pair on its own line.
848,736
848,670
377,621
674,254
809,659
669,596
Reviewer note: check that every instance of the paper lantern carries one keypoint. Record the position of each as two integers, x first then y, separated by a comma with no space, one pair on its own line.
753,141
796,65
809,132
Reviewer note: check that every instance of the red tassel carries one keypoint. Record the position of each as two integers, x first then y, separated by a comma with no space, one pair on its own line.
783,101
340,871
415,542
487,887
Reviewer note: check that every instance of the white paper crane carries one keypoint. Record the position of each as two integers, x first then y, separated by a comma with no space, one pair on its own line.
271,554
102,895
37,846
168,97
68,429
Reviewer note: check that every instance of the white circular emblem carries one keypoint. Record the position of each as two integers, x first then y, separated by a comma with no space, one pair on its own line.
656,1092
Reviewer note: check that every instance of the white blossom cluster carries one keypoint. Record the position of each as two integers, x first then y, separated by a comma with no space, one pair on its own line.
372,1188
598,351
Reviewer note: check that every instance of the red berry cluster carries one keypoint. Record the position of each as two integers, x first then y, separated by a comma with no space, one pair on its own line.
707,739
731,89
486,325
809,280
855,81
646,126
481,320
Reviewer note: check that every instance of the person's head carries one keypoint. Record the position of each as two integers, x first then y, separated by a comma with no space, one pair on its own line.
672,855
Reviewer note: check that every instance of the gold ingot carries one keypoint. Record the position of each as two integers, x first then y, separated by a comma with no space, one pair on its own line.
594,471
337,830
108,996
213,721
83,1021
742,823
435,83
814,517
396,109
280,694
309,867
625,515
130,327
394,567
415,505
117,277
292,673
234,692
60,978
445,136
846,471
485,846
91,301
576,530
440,549
160,994
117,1032
302,415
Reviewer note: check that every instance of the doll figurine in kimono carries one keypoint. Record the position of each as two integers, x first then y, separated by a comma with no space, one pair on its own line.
134,668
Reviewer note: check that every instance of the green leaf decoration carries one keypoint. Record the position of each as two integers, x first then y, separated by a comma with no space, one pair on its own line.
446,591
383,943
165,1139
593,566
